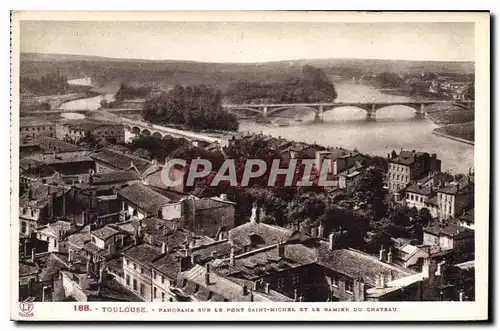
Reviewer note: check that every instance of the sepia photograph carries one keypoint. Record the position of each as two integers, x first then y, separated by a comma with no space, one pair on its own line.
163,165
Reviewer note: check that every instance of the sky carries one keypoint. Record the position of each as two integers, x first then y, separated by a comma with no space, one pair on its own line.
251,41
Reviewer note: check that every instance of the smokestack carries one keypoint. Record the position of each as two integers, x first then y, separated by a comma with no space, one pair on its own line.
330,241
389,255
461,295
207,274
321,230
231,256
63,211
281,249
33,255
382,254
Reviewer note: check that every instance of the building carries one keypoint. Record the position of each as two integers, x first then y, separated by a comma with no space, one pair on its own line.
447,236
44,144
137,269
108,160
53,234
104,132
453,198
65,163
466,220
140,201
35,128
408,166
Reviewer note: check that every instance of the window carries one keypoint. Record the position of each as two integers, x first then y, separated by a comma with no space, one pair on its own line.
127,280
93,239
142,270
162,296
295,279
23,227
162,279
154,275
154,292
135,284
134,213
32,213
335,281
280,283
349,286
142,289
133,266
449,209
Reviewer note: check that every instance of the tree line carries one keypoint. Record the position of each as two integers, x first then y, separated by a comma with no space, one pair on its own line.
312,86
195,107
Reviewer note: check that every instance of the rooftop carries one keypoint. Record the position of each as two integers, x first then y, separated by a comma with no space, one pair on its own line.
408,157
267,234
121,160
419,189
358,265
454,187
34,122
144,254
468,216
87,125
105,232
62,157
450,230
114,177
145,198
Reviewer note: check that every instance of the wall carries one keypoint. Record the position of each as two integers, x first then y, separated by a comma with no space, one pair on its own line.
134,273
430,239
162,284
398,176
37,131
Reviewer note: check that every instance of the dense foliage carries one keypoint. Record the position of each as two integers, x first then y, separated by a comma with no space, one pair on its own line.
196,107
52,83
313,86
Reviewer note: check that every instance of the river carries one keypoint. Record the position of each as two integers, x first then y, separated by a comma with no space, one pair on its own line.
93,103
395,129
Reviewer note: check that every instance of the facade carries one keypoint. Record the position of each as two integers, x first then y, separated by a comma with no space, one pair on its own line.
103,132
32,129
447,236
408,166
454,198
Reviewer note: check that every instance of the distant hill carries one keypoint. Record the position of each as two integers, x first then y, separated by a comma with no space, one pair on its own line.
166,73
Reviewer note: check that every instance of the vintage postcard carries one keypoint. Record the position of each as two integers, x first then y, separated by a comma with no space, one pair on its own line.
242,166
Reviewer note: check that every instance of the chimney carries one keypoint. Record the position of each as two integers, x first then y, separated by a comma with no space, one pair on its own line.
30,194
251,295
461,295
101,273
44,293
163,248
331,237
245,290
255,214
281,249
295,295
223,197
321,230
382,254
231,256
30,285
207,274
194,258
390,277
33,255
63,211
382,280
389,255
122,241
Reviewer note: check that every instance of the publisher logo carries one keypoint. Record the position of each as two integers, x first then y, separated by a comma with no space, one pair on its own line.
26,308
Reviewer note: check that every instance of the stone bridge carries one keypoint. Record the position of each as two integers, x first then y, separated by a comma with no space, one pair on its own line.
371,108
158,131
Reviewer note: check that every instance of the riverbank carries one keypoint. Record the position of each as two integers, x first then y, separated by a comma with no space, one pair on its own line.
462,132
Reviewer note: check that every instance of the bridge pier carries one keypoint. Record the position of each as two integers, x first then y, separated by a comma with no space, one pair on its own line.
318,116
420,112
264,111
371,113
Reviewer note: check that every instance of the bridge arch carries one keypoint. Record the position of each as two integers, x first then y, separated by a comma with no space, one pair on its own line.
127,127
416,107
136,130
256,111
279,109
146,132
157,134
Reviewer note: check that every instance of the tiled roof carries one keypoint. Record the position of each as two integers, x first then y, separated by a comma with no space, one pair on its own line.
53,264
35,122
144,197
218,289
418,189
468,216
61,157
450,230
50,144
120,160
88,125
41,193
78,239
454,188
105,232
55,229
270,234
358,265
407,157
143,254
168,265
219,249
115,177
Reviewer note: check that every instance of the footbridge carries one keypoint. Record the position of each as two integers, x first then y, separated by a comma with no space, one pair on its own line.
371,108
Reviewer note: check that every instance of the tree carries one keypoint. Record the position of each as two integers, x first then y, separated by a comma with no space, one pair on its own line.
389,80
197,107
368,188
